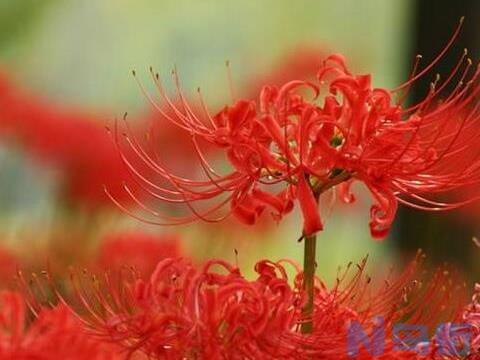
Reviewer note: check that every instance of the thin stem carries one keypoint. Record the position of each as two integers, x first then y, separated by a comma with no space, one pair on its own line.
309,265
309,255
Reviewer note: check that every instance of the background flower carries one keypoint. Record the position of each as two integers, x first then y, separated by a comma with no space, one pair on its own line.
54,334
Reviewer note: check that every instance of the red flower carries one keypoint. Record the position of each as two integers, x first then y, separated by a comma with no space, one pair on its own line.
141,250
289,146
54,334
75,142
213,312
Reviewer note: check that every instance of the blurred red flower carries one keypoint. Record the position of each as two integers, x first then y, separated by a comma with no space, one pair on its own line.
73,141
140,250
55,334
301,62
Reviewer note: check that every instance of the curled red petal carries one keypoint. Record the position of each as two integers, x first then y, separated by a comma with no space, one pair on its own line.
382,212
309,206
344,192
247,210
269,199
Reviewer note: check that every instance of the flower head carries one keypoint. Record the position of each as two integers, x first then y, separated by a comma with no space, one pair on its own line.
303,138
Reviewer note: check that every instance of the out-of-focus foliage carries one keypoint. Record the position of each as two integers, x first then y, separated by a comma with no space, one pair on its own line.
17,18
82,52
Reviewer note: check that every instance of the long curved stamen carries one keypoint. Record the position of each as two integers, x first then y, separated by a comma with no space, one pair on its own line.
435,60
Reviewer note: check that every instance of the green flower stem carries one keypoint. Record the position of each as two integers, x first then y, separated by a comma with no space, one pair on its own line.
309,267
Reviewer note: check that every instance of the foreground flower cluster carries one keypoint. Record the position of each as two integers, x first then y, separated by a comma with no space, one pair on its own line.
183,311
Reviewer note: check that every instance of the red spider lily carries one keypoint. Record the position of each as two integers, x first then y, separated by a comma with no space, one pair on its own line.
289,146
54,334
213,312
141,250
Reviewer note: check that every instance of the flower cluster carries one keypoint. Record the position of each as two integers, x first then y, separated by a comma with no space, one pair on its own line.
213,312
290,146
